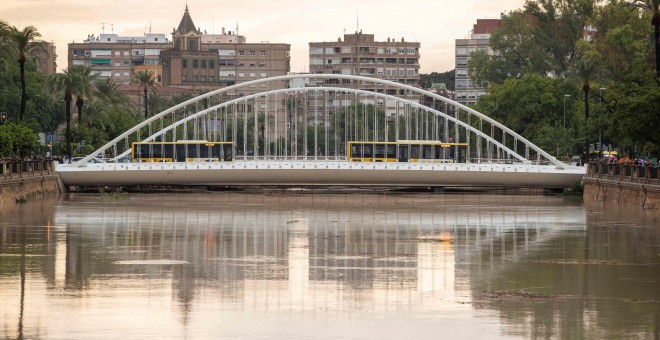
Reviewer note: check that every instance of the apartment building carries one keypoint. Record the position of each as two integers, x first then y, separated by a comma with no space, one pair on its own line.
192,60
207,61
46,59
116,57
467,92
360,54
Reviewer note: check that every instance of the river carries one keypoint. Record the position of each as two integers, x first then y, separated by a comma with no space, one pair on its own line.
328,265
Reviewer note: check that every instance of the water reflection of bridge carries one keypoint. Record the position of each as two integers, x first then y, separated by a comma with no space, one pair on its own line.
295,252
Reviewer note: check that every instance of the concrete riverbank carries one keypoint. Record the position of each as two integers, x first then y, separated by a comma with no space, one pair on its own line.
27,179
625,184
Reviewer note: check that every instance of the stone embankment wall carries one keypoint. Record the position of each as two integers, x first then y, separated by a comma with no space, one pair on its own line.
27,180
625,184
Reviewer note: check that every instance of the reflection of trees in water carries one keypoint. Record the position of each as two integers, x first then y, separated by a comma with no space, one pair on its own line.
596,283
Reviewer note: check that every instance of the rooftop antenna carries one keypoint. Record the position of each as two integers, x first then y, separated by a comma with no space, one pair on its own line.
112,28
103,27
357,18
237,28
149,26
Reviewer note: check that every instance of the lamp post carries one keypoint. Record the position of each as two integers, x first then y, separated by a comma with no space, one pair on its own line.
565,96
600,113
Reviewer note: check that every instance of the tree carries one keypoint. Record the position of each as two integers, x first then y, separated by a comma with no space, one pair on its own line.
158,102
107,91
144,79
654,7
586,70
17,140
65,85
448,78
24,43
621,36
516,52
84,80
637,115
558,25
532,106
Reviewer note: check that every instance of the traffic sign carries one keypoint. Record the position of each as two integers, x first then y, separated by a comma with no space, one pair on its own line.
51,138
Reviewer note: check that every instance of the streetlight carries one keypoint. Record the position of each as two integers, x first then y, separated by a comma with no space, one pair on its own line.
600,113
565,96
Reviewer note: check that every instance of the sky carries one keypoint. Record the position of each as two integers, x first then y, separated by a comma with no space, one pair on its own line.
434,23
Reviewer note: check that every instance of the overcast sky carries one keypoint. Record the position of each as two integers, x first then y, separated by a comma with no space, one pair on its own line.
433,23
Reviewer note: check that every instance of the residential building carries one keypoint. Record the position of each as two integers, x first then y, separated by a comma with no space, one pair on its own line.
467,92
115,57
46,60
360,54
204,61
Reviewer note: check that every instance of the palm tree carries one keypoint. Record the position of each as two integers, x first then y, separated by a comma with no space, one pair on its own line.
144,79
65,84
587,69
83,88
158,102
654,7
24,43
107,91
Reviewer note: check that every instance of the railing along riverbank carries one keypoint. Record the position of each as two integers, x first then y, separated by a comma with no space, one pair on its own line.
26,178
623,183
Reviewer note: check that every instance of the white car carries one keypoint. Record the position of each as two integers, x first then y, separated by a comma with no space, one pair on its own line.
91,160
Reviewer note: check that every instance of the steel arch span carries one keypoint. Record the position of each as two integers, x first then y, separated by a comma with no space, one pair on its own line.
319,129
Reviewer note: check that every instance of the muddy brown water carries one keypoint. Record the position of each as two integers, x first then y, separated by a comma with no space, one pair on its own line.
324,265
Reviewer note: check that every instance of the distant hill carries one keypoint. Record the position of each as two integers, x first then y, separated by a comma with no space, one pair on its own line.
425,80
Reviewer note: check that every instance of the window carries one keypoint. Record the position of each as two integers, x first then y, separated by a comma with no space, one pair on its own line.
211,79
117,63
117,74
203,78
252,75
195,63
252,53
126,74
116,52
126,53
241,74
264,75
253,64
203,63
211,63
263,53
184,63
241,53
125,62
192,45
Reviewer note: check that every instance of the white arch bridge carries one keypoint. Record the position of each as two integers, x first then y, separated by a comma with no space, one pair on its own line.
312,129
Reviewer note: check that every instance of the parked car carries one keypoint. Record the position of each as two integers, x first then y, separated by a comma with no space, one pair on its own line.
91,160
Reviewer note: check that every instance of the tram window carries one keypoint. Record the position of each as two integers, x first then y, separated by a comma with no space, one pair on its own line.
155,151
414,151
368,151
356,150
427,152
168,150
403,153
391,151
180,152
380,151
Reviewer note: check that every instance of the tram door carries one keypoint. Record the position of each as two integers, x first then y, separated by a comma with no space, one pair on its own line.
404,153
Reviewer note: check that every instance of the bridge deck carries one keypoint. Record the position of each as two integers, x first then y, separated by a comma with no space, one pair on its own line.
321,173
